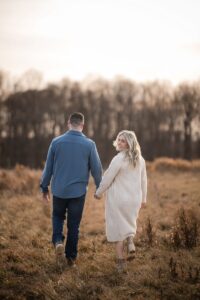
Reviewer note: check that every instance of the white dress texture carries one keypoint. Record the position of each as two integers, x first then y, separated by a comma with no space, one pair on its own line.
126,189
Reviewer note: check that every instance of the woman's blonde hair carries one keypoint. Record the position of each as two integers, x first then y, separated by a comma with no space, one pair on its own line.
133,152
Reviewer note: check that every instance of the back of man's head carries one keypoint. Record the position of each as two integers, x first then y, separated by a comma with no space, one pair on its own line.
76,119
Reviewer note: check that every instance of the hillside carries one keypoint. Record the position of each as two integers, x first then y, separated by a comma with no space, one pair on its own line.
166,263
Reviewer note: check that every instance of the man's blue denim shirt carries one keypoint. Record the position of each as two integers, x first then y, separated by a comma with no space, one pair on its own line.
70,159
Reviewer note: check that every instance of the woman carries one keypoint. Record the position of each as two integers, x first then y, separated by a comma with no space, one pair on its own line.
125,183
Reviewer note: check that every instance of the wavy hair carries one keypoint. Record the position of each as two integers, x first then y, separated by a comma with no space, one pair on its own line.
133,152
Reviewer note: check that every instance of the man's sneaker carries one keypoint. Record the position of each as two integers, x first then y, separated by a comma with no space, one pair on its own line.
130,245
60,258
59,248
71,262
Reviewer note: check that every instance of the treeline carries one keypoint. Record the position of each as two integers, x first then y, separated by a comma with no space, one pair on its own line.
165,118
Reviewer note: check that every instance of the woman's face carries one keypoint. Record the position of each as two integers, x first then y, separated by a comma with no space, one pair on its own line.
121,143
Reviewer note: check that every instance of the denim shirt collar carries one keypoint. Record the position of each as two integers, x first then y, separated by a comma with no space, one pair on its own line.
75,132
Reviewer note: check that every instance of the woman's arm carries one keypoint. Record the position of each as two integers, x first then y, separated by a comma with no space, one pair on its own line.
109,175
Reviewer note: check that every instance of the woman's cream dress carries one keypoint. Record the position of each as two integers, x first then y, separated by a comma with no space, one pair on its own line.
126,189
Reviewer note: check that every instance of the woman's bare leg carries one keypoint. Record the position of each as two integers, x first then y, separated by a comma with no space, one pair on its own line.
120,249
121,261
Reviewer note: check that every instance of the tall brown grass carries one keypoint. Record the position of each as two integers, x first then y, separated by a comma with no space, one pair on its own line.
166,264
19,180
185,232
169,164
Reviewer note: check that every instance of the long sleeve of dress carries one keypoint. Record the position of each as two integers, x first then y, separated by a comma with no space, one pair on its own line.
109,175
144,182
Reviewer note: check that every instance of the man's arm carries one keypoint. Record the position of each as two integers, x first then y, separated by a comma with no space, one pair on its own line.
95,165
48,171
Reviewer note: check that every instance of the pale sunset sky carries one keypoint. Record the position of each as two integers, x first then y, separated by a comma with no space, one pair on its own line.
139,39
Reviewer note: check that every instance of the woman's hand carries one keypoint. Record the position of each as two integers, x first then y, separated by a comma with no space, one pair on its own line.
143,205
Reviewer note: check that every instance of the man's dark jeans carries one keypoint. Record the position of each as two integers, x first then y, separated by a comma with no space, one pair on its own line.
74,209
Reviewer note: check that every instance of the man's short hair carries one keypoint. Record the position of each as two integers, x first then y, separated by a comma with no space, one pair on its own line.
76,119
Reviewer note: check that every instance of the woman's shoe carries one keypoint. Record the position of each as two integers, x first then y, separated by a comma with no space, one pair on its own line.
130,245
121,265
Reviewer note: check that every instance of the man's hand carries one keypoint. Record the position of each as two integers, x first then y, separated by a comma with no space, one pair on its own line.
143,205
46,197
96,197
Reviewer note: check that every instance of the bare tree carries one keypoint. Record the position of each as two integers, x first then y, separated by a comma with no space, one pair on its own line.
165,119
188,101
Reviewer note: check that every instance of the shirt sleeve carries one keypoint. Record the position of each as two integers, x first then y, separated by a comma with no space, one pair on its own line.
109,175
144,182
48,170
95,165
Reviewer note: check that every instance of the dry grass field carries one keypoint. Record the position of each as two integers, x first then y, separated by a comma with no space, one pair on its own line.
166,264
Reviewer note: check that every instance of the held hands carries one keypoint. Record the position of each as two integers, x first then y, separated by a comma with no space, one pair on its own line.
143,205
97,197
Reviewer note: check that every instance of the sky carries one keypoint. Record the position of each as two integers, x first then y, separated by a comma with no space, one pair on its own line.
138,39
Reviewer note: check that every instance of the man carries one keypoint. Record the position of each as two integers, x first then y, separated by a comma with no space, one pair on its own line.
70,159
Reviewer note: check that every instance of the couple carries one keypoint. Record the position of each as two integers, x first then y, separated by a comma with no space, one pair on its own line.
71,157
